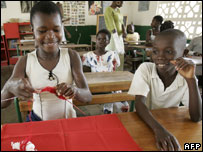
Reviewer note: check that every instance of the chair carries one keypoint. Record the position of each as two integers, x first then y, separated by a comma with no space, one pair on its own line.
24,107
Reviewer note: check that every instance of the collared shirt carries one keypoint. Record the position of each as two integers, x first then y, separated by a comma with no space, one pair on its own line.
113,19
146,82
196,45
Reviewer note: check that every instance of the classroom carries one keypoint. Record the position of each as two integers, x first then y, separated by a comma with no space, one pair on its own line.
113,75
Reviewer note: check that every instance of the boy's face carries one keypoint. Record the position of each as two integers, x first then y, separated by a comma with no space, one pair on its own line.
165,49
102,41
130,29
155,23
48,31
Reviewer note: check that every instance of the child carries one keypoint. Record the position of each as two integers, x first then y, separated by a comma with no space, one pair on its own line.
102,60
151,34
48,65
195,46
165,83
167,25
132,36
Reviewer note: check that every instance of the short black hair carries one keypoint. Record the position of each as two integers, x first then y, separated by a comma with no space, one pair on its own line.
105,31
46,7
176,34
159,18
167,25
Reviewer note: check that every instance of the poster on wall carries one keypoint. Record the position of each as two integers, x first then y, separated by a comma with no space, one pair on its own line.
75,10
143,6
3,4
95,7
27,5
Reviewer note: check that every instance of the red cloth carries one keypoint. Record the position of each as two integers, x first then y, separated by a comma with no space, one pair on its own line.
103,132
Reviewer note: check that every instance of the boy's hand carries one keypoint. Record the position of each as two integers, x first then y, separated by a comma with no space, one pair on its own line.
22,89
185,67
165,141
68,91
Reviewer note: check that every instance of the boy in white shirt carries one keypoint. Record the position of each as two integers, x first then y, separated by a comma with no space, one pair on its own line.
165,83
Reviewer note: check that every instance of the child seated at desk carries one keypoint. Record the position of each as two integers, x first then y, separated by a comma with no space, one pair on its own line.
165,83
151,34
132,36
48,65
102,60
195,46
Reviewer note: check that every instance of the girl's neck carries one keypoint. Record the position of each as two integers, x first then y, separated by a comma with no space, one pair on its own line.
99,51
47,56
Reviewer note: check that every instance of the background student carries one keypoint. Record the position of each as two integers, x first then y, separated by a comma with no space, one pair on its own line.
132,36
167,25
114,23
103,60
167,82
50,66
151,34
195,46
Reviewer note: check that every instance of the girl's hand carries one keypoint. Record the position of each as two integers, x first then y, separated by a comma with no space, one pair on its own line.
21,88
67,91
165,141
185,67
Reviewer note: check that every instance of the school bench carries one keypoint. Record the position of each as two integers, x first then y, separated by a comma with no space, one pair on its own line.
100,82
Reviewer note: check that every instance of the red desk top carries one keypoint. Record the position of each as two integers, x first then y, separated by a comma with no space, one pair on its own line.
103,132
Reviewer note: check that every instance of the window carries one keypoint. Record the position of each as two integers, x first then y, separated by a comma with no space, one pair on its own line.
186,15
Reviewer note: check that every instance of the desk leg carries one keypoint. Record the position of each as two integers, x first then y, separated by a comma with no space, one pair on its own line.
132,105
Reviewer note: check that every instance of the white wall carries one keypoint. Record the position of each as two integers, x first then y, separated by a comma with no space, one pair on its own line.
144,17
130,8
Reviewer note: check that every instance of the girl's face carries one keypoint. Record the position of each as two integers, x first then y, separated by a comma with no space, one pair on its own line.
165,49
155,24
47,31
119,3
102,41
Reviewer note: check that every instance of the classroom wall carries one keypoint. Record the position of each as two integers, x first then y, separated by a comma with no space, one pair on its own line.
141,20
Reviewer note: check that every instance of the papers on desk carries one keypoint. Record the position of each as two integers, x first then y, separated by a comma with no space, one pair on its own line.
103,132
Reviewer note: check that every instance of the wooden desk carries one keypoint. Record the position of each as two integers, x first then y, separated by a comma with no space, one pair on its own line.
175,120
86,46
106,82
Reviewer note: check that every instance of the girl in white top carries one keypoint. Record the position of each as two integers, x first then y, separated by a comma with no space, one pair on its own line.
48,66
101,60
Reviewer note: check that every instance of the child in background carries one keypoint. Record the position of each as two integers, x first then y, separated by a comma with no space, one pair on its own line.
166,83
102,60
48,65
151,34
167,25
195,46
132,36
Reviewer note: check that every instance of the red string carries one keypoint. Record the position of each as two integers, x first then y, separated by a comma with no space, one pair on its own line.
53,90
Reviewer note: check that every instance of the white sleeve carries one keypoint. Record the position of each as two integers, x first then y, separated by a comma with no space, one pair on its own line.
185,99
140,84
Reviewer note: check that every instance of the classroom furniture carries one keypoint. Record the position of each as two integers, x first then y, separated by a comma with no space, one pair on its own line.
99,82
93,41
92,133
175,120
14,32
76,46
4,55
25,46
